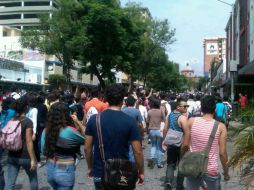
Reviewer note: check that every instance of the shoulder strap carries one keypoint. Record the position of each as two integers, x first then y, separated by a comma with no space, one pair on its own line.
99,134
211,138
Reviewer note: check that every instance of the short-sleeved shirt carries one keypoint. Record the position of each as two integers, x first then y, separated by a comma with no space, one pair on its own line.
134,113
23,153
118,129
221,110
154,118
95,102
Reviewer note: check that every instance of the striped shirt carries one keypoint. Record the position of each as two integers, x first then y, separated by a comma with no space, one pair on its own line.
200,133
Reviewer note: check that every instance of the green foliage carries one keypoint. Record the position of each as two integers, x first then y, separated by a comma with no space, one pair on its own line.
246,116
57,80
243,153
60,35
201,83
104,38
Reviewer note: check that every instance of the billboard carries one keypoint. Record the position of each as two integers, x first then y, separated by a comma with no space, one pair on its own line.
211,48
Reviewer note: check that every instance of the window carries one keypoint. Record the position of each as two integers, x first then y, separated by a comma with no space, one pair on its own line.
5,33
55,5
16,4
79,75
37,3
12,16
30,16
18,27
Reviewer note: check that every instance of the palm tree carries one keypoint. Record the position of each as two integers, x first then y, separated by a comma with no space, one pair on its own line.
243,156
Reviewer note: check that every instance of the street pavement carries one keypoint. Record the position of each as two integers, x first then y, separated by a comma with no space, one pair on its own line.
153,177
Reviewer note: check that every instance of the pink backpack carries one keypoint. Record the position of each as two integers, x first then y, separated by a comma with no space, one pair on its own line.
10,136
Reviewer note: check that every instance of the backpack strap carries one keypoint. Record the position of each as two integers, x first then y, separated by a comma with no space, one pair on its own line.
211,138
99,134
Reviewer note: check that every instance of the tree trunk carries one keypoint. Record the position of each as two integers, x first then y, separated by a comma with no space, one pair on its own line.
100,78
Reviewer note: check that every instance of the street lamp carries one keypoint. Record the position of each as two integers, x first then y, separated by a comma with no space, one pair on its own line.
233,64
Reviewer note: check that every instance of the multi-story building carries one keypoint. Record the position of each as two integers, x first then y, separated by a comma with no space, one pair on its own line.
34,67
240,46
24,13
214,47
26,66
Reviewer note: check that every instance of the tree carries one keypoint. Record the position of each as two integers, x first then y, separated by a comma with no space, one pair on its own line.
201,83
158,38
60,35
243,152
57,81
113,41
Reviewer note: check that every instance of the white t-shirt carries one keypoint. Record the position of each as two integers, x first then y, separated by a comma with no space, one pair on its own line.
32,114
143,112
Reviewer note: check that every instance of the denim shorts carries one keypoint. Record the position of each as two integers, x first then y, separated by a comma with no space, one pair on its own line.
61,176
212,181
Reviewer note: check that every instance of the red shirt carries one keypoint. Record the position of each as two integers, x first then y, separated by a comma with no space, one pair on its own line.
243,101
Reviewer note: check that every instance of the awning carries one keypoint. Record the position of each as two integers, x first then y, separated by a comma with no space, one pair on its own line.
11,65
247,69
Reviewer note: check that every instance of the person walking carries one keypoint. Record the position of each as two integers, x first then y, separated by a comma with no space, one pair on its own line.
155,117
7,113
176,121
118,130
60,143
41,123
200,130
221,111
25,157
133,112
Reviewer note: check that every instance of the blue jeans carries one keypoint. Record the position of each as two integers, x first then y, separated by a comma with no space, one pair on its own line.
60,176
2,182
14,165
212,181
131,154
156,141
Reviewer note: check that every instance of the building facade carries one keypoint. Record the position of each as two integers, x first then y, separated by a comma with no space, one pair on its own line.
240,47
32,67
214,47
24,13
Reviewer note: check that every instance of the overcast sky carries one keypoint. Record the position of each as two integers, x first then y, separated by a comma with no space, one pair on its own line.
194,20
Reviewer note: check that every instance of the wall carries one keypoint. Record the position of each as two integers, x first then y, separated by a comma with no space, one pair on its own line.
251,30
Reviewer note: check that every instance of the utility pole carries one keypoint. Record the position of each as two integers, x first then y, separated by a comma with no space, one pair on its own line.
232,67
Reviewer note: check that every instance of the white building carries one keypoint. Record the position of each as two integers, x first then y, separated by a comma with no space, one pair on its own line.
24,13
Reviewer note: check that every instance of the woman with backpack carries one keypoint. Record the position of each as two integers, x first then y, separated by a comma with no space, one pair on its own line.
25,156
61,143
7,112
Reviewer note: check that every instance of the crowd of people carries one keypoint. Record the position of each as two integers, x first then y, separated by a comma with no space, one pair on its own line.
112,125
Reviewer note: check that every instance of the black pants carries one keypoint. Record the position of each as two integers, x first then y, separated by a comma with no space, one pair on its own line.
99,186
173,157
37,144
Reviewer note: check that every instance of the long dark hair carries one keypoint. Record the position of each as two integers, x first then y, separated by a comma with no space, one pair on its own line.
58,118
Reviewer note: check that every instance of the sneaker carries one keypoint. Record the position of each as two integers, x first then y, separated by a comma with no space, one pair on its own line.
168,186
149,141
160,165
41,164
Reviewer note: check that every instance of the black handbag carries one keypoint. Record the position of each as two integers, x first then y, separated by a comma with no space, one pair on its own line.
118,173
